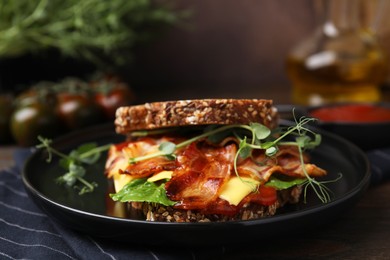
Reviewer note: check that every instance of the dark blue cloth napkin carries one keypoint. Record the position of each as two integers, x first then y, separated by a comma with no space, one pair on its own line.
27,233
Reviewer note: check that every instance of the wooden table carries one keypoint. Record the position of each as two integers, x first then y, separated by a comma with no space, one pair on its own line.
6,154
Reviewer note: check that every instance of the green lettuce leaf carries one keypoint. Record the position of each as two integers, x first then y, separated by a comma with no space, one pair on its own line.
140,190
280,184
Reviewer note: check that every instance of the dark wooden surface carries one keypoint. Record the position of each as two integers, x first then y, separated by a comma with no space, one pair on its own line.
362,232
6,153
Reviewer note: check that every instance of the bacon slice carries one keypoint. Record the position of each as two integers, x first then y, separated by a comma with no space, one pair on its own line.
149,167
121,154
287,162
116,160
289,159
201,169
200,175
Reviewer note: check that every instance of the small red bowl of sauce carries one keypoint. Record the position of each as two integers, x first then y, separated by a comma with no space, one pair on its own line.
352,113
366,125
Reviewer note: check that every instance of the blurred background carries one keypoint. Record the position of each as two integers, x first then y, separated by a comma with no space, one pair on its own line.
174,49
239,49
228,48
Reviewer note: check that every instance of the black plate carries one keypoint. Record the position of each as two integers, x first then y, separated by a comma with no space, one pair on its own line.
93,213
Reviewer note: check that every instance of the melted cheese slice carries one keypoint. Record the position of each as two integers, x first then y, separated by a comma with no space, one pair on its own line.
160,176
237,188
120,180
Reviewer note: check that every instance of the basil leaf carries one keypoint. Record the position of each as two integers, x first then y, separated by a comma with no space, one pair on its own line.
283,184
140,190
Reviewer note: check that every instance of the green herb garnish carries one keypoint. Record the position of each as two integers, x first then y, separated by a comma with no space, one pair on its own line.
251,137
257,136
141,190
281,184
88,153
103,32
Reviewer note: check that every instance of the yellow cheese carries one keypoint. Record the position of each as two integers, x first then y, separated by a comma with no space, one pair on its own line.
120,180
160,176
236,189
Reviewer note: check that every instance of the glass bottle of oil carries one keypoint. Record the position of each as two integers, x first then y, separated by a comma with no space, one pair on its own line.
340,62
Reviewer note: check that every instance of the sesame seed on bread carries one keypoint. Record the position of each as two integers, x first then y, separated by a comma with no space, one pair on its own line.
195,112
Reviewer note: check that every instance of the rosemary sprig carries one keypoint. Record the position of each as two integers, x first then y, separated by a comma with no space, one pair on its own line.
91,29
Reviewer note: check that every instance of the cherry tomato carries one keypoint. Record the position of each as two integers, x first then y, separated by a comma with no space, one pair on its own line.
111,93
6,108
27,122
77,110
41,92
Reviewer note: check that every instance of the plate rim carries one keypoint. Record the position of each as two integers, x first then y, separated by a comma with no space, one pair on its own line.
357,189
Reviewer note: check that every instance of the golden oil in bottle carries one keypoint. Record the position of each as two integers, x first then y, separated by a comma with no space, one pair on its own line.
340,62
341,80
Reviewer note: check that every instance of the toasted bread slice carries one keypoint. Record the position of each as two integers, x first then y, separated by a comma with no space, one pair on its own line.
156,212
195,112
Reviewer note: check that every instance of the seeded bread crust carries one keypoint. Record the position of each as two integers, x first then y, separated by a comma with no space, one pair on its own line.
157,212
195,112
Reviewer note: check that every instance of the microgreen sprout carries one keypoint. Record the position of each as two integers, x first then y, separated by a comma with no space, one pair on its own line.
168,150
88,153
257,136
322,192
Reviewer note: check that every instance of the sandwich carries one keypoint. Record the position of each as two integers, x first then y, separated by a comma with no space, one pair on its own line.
208,160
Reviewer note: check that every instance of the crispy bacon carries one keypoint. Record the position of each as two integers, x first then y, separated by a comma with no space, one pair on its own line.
115,160
201,169
123,152
200,175
149,167
286,162
288,159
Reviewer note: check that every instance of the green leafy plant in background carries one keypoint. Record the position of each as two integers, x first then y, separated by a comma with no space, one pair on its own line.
93,30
